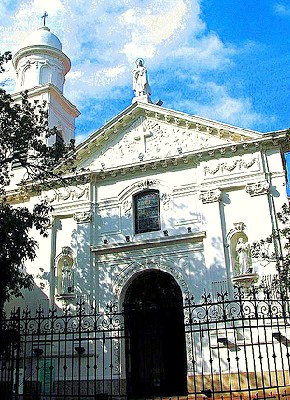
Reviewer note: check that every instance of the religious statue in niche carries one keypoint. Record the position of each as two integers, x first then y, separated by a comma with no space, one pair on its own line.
140,80
243,257
67,278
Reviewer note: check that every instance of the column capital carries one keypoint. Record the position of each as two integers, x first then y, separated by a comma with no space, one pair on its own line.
258,188
210,196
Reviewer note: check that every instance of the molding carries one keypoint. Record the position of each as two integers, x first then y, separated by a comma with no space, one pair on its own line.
42,50
245,280
149,243
139,185
54,92
150,263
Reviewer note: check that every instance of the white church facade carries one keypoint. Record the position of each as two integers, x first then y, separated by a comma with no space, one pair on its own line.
162,207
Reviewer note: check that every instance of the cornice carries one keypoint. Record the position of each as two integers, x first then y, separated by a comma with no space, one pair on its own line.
54,92
123,119
150,243
193,158
42,49
198,123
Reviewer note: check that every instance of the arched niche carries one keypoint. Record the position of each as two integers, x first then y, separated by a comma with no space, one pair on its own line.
45,75
65,272
27,78
240,254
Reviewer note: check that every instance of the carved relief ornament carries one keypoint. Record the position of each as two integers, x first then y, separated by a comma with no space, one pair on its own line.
150,263
239,226
210,196
165,199
83,217
68,194
258,188
147,183
229,167
127,207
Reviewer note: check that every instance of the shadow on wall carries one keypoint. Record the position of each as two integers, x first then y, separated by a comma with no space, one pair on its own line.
94,280
33,299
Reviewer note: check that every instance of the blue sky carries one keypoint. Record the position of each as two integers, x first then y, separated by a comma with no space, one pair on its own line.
226,60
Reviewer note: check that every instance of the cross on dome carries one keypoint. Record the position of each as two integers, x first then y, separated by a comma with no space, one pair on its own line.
44,16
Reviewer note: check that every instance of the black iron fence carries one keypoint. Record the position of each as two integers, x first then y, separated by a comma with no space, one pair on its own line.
233,348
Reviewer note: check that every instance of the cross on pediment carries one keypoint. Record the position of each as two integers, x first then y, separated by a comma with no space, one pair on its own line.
142,138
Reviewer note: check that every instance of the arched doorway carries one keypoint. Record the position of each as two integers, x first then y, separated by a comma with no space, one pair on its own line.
155,336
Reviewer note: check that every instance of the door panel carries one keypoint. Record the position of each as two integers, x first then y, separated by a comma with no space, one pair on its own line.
155,339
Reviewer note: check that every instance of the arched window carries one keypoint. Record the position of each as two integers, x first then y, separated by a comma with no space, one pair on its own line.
147,211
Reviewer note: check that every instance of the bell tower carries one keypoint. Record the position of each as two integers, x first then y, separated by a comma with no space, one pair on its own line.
41,67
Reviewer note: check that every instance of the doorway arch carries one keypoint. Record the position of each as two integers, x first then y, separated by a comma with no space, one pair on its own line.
155,336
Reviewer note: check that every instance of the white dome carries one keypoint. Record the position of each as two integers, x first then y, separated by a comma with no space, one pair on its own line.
42,37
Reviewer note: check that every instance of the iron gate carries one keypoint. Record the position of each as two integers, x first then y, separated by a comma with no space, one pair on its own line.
236,348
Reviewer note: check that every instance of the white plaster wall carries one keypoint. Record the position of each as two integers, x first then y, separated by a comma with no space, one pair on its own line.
184,262
39,268
213,243
185,209
61,117
178,211
195,263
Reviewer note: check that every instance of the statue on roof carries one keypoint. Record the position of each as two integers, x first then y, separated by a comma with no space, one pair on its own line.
140,80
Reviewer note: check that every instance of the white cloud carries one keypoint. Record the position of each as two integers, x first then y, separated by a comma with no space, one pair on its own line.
151,28
52,7
282,9
104,37
207,52
223,107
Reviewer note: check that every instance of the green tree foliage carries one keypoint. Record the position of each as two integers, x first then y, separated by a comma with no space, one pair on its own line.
276,249
23,134
4,58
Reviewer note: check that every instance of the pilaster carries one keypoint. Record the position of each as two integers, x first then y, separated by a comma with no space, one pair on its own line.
213,243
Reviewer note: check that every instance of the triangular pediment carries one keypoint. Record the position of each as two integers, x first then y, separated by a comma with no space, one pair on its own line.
146,132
